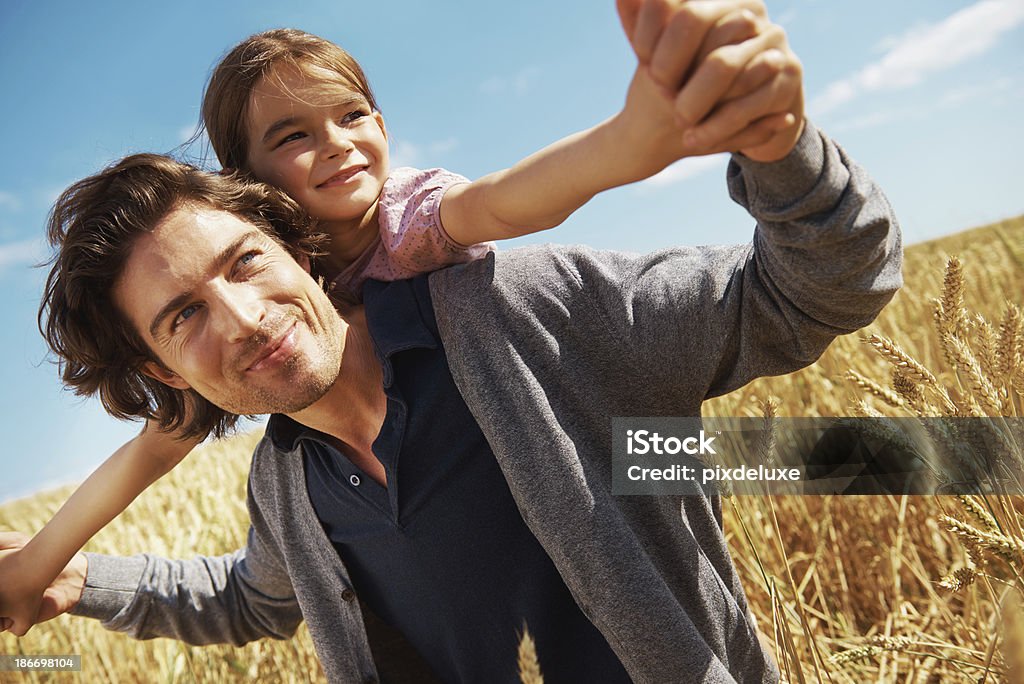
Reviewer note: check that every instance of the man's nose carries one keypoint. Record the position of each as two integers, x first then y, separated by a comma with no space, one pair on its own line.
241,312
335,141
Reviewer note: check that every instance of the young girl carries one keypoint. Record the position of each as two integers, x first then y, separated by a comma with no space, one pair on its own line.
295,111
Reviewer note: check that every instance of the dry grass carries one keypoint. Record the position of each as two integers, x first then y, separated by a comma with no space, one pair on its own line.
847,589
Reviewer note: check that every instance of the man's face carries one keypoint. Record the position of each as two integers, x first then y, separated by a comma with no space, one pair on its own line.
229,313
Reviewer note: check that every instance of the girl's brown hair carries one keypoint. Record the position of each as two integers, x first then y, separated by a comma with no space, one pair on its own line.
93,227
229,92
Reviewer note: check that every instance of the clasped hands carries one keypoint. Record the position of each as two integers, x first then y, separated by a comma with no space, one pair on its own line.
21,607
713,76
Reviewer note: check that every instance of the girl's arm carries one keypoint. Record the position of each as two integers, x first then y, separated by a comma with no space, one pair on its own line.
543,189
24,575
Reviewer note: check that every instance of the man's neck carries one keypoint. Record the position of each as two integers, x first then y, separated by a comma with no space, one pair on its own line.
353,409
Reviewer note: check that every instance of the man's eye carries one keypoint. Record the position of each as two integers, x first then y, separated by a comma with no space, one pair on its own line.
184,315
247,258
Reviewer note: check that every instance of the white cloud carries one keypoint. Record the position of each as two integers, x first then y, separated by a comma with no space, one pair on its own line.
927,49
885,44
518,84
976,92
686,169
989,92
406,153
876,119
9,201
22,253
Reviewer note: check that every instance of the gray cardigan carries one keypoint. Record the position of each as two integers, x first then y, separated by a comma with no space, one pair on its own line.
546,344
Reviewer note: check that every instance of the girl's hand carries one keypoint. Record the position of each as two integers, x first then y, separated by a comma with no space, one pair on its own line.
733,82
20,593
23,603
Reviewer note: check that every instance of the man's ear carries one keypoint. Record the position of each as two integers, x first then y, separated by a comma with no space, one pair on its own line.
168,377
304,262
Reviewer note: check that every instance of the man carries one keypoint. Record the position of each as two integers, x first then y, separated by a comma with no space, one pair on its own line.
444,447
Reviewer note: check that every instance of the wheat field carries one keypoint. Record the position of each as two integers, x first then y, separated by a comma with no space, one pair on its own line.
844,589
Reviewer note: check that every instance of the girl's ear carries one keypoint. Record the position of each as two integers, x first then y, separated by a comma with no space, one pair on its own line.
379,118
168,377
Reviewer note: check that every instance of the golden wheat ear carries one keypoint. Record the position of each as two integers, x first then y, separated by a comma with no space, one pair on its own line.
529,666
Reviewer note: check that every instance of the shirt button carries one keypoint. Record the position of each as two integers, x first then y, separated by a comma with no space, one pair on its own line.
354,479
347,595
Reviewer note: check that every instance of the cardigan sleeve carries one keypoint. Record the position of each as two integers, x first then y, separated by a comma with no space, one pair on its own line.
234,598
825,258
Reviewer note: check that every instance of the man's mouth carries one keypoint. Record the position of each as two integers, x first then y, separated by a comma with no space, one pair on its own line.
343,176
274,352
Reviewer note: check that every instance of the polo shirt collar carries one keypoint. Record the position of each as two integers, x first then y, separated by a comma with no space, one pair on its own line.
400,317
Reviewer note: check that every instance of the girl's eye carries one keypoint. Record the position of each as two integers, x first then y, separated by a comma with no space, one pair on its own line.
290,137
353,116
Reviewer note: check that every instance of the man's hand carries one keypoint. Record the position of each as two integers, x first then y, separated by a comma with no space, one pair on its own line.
734,83
21,605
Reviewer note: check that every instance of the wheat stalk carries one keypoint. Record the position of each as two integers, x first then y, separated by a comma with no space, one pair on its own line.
985,337
766,440
959,579
972,504
953,314
910,391
878,645
1008,548
982,387
1008,350
529,666
893,353
873,388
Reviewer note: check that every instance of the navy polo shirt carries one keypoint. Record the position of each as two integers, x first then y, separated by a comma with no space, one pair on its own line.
442,554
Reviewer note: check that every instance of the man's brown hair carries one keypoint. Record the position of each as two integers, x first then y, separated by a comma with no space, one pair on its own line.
229,92
93,227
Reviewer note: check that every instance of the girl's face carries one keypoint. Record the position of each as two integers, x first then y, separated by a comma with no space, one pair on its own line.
330,157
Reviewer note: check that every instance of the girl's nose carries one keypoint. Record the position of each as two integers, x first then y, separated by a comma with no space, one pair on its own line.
336,141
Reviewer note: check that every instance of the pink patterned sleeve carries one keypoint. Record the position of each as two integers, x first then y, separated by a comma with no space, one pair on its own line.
413,241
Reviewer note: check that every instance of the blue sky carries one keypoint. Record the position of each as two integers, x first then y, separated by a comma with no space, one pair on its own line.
924,93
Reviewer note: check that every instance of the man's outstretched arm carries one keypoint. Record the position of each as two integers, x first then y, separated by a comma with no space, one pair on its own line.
234,598
825,257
